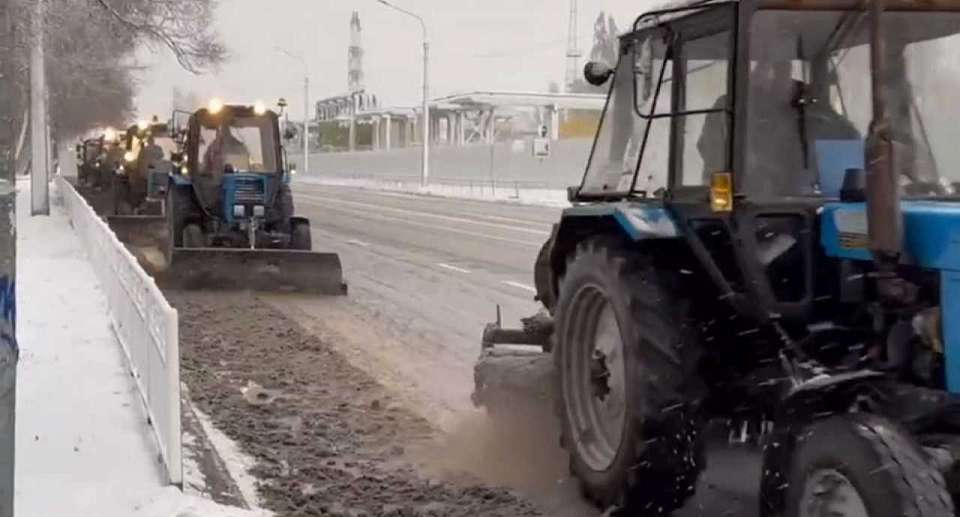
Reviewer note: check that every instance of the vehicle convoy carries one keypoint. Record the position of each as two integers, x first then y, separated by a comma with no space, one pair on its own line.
766,232
97,160
139,184
230,212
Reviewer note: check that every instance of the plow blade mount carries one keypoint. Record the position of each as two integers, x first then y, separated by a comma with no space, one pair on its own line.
255,270
146,236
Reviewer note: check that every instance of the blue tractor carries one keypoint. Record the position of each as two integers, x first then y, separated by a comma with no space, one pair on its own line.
230,210
767,233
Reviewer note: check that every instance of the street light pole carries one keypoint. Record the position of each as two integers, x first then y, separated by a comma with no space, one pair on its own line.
306,122
306,105
425,169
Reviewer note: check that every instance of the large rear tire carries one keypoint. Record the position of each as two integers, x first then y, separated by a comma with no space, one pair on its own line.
626,363
861,465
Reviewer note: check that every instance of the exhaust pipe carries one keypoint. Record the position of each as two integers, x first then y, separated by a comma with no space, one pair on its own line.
884,216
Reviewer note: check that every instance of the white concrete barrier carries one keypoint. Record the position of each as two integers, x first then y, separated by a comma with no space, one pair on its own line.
145,324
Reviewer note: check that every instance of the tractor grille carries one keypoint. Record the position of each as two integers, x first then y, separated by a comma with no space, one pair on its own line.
249,191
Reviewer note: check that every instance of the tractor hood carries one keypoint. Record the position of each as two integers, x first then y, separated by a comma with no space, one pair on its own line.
931,233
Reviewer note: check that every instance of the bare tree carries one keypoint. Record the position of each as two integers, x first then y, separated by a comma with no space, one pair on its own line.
182,26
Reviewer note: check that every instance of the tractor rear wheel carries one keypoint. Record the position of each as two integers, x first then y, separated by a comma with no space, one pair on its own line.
626,362
861,465
300,238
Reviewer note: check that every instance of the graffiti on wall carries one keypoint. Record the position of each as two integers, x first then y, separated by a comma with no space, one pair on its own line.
8,312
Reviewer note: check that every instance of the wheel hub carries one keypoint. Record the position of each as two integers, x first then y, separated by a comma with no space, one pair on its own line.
829,493
597,398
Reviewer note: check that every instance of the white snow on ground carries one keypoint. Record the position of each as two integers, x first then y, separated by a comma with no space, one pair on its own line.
83,445
504,192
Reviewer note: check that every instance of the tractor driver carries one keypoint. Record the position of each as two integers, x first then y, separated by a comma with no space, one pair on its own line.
226,152
785,117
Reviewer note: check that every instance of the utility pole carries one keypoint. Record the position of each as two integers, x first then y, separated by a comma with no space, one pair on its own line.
573,47
306,104
425,170
10,109
306,119
40,167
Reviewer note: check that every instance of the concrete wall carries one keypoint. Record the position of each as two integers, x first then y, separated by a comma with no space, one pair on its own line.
506,163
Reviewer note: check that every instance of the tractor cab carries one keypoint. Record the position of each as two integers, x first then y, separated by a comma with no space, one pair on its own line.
736,139
149,157
236,163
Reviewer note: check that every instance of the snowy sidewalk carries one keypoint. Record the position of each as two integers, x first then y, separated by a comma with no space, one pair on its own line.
83,444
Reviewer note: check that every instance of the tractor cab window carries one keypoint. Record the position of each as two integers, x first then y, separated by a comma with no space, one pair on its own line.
91,151
238,145
616,149
810,100
667,121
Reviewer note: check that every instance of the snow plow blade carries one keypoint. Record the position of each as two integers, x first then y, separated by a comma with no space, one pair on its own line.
234,269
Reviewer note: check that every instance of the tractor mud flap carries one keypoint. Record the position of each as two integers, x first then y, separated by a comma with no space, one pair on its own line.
254,270
147,237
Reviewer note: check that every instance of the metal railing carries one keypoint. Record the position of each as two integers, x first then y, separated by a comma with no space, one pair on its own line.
144,322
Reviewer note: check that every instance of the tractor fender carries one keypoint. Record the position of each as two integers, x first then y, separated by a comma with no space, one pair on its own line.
824,393
297,220
633,221
636,221
803,404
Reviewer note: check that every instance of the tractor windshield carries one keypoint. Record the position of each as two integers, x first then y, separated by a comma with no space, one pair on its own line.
92,150
239,144
810,106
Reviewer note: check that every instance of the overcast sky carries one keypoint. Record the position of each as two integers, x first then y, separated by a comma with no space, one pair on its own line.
475,44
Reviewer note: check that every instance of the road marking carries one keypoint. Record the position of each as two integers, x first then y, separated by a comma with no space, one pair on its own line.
381,208
368,214
518,285
355,242
453,268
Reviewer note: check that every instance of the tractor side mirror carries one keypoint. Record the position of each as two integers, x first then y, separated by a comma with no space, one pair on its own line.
597,73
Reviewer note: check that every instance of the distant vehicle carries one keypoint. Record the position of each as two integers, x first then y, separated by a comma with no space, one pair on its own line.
231,213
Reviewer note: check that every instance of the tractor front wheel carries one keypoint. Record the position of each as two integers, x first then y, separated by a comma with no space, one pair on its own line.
861,465
627,370
300,238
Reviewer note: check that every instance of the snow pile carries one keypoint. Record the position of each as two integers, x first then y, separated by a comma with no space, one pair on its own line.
480,190
83,443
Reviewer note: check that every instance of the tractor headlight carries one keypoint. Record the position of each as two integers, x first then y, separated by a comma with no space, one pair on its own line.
184,170
238,211
258,211
121,170
215,106
259,108
129,156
